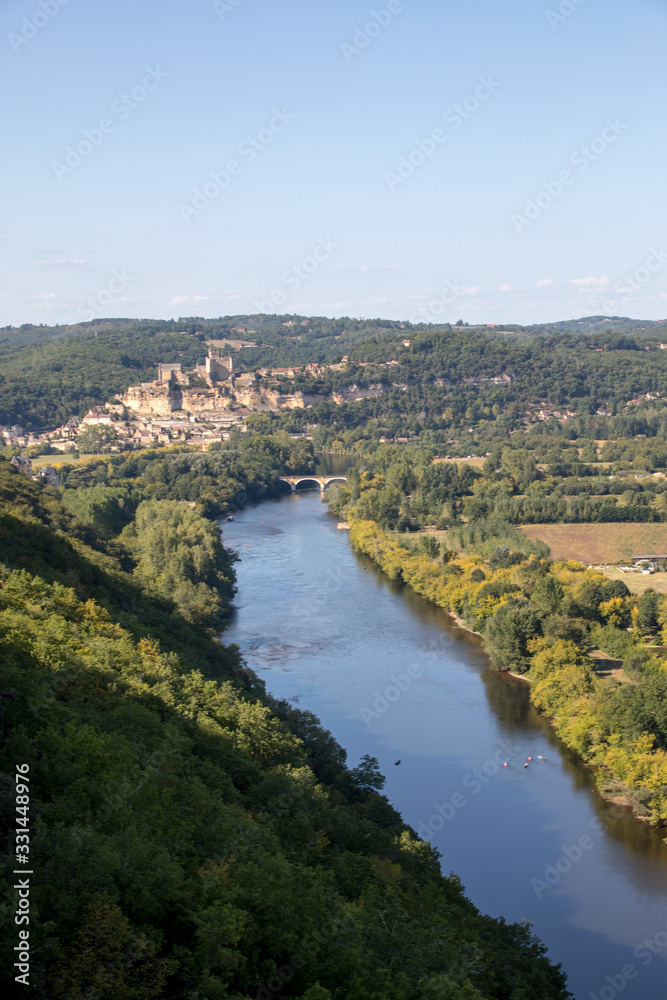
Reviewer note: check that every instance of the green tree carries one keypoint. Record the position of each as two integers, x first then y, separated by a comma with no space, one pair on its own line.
507,635
429,546
547,595
180,555
367,774
106,509
648,607
97,439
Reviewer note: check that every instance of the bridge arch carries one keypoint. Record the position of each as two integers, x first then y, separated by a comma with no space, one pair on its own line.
307,483
319,482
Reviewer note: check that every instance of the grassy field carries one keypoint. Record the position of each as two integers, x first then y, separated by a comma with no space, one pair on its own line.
637,582
476,463
595,544
62,459
608,668
439,535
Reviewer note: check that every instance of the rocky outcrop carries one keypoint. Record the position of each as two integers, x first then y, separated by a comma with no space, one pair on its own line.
164,399
263,400
150,399
353,393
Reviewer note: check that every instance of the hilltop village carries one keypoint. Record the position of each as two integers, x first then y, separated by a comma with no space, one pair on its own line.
198,406
201,404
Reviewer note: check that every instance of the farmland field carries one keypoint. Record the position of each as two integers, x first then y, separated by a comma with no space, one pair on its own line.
475,461
594,544
637,583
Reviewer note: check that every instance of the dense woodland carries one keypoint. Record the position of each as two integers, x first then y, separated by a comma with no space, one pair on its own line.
442,387
408,487
191,837
228,476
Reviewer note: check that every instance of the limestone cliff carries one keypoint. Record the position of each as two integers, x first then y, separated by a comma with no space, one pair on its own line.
165,399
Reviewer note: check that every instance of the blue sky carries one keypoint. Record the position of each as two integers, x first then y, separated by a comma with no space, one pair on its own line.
409,159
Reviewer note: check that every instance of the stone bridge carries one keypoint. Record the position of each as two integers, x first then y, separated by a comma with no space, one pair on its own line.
311,482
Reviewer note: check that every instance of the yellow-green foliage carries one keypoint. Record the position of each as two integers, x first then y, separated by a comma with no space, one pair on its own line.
450,587
565,685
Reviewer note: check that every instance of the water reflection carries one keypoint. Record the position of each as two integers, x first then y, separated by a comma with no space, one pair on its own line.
329,629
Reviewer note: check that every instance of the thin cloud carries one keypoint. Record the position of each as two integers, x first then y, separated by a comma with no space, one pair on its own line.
544,283
368,267
179,299
506,288
590,282
62,260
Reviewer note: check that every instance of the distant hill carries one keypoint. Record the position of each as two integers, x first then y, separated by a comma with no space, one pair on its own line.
49,373
600,324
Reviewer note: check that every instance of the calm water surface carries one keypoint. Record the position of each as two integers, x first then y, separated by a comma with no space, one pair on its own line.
391,675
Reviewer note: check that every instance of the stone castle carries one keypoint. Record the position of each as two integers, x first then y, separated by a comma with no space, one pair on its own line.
205,389
215,369
210,391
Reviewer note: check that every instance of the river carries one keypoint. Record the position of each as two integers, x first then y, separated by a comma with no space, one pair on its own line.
392,676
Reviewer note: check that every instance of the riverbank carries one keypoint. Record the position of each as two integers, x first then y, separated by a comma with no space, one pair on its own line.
563,683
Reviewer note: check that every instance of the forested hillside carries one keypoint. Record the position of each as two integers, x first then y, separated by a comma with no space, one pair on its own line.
48,374
458,382
189,837
225,478
43,384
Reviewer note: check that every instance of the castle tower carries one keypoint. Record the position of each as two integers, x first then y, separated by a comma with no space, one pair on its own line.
219,368
164,372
